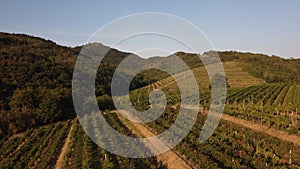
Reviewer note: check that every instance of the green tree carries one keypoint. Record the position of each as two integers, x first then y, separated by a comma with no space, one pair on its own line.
23,99
49,108
56,105
105,102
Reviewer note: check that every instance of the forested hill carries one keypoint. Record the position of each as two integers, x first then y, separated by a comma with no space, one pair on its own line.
34,73
36,77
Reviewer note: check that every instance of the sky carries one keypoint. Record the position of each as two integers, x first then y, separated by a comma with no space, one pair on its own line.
261,26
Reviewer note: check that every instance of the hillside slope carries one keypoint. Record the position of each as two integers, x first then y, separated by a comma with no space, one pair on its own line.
270,68
36,77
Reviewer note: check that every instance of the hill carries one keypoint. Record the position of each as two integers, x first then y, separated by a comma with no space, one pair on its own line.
260,127
36,77
270,68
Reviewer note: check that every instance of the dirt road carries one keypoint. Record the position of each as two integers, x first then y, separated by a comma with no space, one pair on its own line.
170,158
63,152
264,129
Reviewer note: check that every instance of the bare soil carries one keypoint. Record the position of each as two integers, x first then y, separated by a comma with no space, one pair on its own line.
64,150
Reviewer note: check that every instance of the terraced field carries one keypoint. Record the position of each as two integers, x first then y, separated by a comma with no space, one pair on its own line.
235,75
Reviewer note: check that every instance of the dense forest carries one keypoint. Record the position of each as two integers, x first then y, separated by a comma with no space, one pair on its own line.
36,78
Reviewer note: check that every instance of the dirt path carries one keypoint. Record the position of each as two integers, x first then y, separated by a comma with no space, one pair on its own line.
260,128
6,142
149,89
170,158
16,136
264,129
287,95
295,94
63,152
276,101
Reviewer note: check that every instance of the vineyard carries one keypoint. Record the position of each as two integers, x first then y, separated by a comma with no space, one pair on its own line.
273,105
37,148
276,106
235,75
82,152
40,148
39,127
232,145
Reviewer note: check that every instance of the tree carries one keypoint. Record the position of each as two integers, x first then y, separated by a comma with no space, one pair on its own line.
49,108
105,102
56,105
23,99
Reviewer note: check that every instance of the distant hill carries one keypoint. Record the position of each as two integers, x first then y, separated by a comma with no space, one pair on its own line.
36,77
270,68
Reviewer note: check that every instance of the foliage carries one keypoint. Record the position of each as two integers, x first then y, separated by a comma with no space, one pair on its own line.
105,102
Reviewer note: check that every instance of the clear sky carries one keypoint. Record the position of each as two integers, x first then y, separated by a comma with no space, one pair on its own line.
261,26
